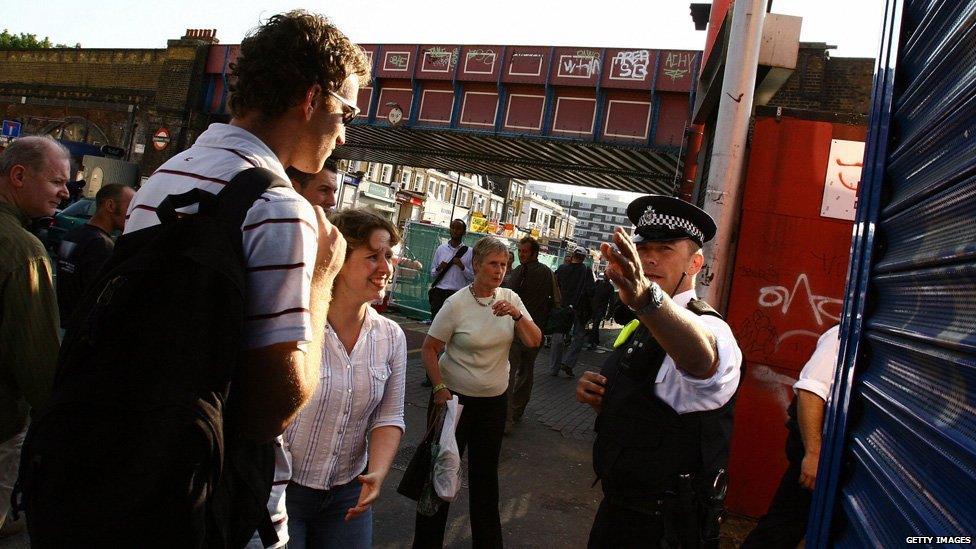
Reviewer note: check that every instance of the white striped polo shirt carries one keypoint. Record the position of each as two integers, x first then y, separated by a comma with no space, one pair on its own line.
280,236
280,230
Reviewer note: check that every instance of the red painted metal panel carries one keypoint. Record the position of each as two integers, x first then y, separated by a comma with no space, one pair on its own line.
480,63
787,288
370,51
394,91
575,112
396,61
436,103
674,70
524,110
629,68
526,64
364,100
576,66
437,62
757,460
480,103
673,114
628,116
719,9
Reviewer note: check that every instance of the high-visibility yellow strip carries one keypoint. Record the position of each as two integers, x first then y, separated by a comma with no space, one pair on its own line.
625,334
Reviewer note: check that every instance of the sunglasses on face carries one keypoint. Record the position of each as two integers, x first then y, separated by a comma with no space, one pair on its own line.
349,110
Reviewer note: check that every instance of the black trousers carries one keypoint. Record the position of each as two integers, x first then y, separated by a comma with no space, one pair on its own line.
437,297
619,527
785,524
480,430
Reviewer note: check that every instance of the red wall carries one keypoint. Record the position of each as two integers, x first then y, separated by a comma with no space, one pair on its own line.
787,288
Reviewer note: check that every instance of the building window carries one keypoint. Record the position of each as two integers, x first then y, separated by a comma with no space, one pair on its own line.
443,188
464,198
386,174
532,215
404,176
418,183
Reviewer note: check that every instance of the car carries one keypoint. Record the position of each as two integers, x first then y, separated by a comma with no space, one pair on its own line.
75,215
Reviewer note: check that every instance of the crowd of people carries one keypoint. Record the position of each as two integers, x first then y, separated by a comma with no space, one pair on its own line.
307,419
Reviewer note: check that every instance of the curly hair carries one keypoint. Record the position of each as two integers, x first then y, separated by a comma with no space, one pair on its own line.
281,59
357,225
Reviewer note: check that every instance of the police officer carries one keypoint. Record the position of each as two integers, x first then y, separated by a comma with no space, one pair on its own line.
665,396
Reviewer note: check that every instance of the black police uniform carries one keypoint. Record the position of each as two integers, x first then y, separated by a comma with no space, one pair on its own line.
663,473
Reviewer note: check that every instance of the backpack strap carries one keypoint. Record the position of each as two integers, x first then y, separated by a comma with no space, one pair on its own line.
243,190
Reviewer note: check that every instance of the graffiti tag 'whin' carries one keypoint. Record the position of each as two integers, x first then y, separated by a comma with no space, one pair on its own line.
584,64
780,296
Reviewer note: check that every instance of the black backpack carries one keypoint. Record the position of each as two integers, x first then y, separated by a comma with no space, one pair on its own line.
136,448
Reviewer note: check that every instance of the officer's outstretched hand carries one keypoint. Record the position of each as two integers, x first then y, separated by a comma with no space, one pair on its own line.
624,268
590,388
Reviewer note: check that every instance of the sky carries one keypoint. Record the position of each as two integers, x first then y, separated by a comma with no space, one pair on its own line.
851,25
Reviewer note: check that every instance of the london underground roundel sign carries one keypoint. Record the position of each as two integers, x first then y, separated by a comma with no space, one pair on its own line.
160,139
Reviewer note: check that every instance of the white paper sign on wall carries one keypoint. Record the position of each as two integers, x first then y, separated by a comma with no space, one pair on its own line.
843,176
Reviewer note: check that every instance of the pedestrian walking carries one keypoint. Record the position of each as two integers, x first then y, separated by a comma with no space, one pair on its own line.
575,281
534,283
466,353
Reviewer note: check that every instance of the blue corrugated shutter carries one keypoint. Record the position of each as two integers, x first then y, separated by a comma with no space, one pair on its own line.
899,456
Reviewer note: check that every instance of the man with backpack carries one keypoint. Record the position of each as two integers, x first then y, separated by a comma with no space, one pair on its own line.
575,280
295,85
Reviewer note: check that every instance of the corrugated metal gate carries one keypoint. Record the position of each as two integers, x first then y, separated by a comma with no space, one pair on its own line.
899,455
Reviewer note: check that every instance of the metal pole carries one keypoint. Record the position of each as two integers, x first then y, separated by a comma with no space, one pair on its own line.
457,193
724,186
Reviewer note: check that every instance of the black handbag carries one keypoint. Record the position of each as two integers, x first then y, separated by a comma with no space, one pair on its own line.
561,318
421,466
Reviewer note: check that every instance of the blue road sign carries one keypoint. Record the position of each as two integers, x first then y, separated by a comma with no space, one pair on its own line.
11,128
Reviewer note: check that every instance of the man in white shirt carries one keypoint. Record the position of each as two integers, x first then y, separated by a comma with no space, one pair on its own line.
297,80
450,268
666,395
785,523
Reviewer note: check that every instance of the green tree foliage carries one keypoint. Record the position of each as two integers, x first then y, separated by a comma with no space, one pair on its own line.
25,41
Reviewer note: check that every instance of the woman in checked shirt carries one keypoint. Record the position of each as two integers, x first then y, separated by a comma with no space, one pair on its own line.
359,399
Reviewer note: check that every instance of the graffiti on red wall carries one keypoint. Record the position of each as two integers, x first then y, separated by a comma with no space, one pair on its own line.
822,307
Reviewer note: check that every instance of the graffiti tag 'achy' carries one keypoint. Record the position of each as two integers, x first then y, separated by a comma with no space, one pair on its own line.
678,64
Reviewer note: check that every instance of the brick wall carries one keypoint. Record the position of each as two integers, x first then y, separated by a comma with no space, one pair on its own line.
128,93
822,83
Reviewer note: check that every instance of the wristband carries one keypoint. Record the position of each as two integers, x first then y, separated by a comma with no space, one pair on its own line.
519,318
438,387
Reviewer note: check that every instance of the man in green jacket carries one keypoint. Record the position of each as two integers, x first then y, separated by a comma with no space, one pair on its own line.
33,181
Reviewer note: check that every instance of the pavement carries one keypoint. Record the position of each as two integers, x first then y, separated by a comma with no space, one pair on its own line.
547,497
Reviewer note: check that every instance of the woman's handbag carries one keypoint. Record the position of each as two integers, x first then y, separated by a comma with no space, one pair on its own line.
418,473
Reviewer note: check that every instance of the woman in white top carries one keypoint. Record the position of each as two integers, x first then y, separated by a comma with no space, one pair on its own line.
474,330
359,398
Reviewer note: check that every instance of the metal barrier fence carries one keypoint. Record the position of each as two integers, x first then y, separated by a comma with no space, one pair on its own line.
420,240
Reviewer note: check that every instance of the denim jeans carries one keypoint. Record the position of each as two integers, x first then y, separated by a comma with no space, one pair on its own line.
316,518
556,358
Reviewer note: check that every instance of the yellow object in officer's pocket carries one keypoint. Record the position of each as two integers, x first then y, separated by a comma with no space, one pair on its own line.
625,334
